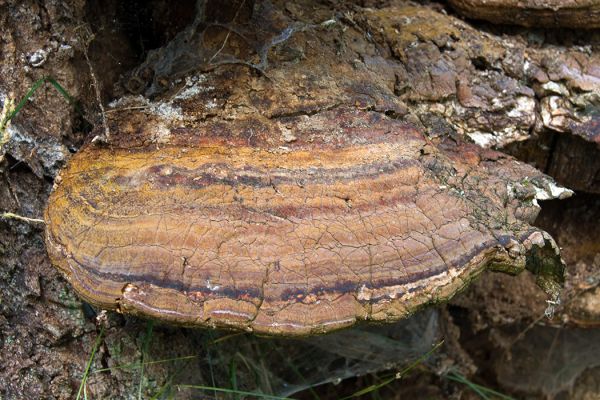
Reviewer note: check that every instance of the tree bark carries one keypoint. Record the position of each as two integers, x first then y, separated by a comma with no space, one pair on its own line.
271,69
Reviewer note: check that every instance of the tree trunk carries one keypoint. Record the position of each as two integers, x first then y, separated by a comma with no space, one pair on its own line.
279,75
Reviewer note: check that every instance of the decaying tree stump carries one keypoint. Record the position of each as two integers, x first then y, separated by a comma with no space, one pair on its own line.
300,138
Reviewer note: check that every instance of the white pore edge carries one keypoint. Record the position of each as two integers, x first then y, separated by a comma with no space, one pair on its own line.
485,140
550,192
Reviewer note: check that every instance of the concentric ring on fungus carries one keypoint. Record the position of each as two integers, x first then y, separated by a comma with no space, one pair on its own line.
574,14
294,241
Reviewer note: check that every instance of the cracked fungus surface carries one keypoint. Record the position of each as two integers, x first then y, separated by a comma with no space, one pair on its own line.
544,13
298,240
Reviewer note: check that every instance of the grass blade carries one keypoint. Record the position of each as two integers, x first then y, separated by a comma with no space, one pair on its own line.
139,365
36,85
396,376
482,391
145,345
89,364
237,392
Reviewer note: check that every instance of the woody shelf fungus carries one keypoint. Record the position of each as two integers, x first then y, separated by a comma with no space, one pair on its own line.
576,14
360,218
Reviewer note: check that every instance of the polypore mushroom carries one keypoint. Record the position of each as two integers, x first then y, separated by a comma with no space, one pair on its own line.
544,13
367,221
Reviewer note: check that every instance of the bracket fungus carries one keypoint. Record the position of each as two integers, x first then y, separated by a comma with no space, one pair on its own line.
368,221
582,14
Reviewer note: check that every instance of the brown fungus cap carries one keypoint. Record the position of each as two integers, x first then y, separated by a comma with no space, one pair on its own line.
576,14
283,195
359,217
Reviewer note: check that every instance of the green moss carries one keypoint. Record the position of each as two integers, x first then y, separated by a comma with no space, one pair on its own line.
548,268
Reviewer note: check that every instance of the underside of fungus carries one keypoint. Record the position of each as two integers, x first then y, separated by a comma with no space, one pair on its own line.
359,217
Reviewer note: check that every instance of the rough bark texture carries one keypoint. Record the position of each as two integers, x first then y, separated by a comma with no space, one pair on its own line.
532,92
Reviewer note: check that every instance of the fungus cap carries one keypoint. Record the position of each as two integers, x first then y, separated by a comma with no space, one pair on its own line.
368,224
543,13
